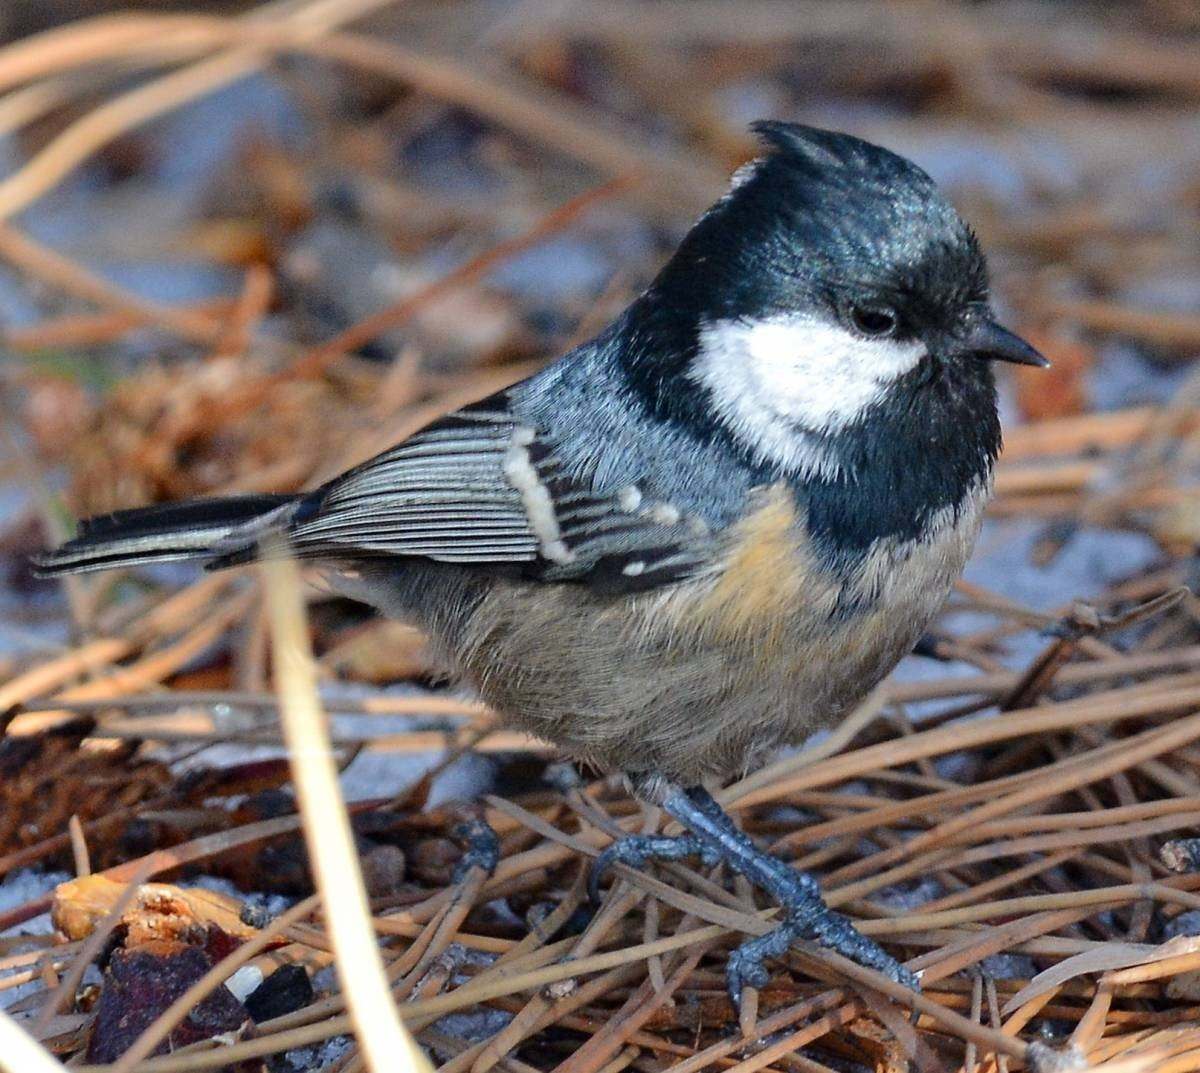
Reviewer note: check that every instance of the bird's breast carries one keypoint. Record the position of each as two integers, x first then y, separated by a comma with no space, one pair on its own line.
761,585
771,594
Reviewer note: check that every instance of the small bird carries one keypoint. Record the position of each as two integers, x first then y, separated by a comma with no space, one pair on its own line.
709,531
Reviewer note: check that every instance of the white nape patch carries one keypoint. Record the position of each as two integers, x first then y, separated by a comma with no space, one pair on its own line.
739,178
743,175
781,383
634,569
539,507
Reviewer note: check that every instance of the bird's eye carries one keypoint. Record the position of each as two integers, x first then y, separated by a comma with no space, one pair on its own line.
873,321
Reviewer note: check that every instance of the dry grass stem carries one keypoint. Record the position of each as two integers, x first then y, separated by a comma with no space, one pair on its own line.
384,1041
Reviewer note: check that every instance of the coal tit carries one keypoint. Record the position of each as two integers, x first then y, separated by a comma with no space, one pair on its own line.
707,532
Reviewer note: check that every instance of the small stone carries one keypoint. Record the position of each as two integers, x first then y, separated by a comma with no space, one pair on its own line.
383,870
286,990
561,989
1181,854
1187,923
1042,1058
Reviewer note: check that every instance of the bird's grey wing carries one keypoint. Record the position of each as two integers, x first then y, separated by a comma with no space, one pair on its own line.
482,489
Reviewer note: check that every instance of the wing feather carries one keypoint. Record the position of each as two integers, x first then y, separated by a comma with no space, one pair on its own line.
480,488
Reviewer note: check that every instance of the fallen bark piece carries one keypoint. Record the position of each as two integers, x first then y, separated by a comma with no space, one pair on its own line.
140,984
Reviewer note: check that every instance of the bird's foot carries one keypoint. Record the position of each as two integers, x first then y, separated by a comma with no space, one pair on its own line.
805,914
806,917
637,850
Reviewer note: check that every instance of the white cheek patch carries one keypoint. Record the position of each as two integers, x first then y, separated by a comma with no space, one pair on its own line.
781,383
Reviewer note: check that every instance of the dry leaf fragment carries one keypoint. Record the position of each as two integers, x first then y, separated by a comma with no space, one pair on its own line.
159,911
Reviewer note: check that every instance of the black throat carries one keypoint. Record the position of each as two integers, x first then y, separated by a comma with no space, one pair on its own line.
923,450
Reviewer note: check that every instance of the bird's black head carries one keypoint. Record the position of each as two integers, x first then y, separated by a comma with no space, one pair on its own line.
831,281
829,224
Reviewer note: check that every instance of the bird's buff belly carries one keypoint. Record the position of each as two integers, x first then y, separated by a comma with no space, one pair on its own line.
701,680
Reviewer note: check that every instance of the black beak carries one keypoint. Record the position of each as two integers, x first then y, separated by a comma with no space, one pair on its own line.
989,341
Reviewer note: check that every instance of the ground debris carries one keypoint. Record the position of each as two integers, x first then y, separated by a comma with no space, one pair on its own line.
284,991
140,984
46,778
157,912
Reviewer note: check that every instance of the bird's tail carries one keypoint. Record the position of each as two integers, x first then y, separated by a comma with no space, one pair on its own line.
214,529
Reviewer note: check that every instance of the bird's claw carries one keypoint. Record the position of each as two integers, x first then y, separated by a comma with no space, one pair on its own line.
805,914
747,964
807,917
637,850
744,969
